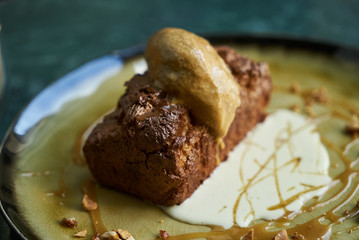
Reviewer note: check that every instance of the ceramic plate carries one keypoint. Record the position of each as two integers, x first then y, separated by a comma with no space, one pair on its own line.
43,175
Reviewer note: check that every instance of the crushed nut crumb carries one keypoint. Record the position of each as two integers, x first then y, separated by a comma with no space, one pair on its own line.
310,111
124,235
358,204
297,236
295,88
110,235
88,204
249,235
346,212
317,96
96,237
310,209
295,108
282,235
309,102
320,95
81,234
161,221
69,222
353,126
163,234
114,235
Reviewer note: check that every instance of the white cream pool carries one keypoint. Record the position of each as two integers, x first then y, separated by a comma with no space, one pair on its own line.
279,166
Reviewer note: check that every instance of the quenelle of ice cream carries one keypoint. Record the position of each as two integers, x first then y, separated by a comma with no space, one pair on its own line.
188,67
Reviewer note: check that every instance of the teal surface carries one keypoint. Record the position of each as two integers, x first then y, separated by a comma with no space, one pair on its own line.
43,39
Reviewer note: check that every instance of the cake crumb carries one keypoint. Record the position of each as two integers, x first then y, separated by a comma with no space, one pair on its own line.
320,95
81,234
69,222
297,236
163,234
295,87
282,235
295,108
249,235
88,204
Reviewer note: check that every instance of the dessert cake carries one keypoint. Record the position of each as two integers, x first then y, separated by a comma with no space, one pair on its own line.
153,145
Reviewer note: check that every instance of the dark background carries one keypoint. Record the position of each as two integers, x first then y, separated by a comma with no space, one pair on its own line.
43,39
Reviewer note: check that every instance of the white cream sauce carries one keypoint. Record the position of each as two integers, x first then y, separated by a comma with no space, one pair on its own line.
279,166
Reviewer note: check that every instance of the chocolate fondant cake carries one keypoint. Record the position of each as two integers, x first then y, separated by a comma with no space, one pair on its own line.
151,146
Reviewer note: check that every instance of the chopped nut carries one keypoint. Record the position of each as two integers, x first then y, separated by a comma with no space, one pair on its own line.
88,203
249,236
310,111
310,209
320,95
124,235
69,222
317,96
110,235
295,108
114,235
358,204
353,126
346,212
297,236
81,234
163,234
96,237
295,88
309,101
282,235
161,221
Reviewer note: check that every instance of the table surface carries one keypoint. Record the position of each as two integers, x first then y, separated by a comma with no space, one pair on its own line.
41,40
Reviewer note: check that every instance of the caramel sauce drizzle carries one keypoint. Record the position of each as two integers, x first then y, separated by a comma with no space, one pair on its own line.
288,201
279,143
62,191
89,188
315,228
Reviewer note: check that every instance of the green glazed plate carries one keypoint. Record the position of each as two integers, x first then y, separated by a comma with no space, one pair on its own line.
41,183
